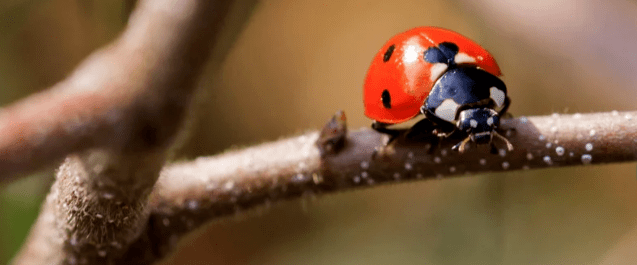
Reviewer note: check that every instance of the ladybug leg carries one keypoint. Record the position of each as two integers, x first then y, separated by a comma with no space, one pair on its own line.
436,141
504,139
460,147
441,134
425,131
382,128
422,129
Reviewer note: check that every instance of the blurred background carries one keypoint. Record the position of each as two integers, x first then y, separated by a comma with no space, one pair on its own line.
295,63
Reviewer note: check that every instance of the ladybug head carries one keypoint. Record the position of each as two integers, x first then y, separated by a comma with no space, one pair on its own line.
480,124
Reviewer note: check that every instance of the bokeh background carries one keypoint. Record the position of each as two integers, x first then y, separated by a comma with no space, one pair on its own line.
296,62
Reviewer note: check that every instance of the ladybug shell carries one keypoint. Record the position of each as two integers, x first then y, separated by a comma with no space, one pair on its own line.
399,79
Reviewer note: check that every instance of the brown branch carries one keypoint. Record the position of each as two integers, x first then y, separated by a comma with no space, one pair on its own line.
192,193
141,83
124,104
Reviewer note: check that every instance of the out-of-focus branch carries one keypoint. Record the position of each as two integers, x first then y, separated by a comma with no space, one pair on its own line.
119,112
192,193
137,84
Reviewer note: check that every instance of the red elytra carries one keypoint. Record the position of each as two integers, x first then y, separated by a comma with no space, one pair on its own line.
408,77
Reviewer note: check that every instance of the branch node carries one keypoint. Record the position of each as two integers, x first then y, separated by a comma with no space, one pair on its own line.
333,135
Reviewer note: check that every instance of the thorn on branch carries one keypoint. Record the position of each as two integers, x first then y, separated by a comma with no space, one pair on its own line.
332,136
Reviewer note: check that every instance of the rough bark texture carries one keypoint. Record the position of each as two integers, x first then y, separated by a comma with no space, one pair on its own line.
190,194
123,106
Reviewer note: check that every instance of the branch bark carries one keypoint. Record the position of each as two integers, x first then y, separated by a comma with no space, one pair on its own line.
119,112
193,193
224,184
139,84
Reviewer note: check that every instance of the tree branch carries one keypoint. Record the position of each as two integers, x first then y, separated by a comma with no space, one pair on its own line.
107,103
190,194
124,105
287,168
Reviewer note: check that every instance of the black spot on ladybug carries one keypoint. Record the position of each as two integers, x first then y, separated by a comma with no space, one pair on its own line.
444,53
388,53
386,98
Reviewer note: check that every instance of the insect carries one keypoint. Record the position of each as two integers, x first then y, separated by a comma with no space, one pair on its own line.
443,75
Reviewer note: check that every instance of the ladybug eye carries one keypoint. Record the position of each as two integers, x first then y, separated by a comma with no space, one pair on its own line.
386,98
388,53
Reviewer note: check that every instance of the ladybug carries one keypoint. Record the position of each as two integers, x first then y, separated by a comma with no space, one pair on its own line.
443,75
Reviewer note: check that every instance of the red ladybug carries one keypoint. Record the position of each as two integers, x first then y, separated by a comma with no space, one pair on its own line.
441,74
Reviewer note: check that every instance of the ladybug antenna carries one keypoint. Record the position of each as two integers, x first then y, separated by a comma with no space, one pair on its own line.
509,145
460,146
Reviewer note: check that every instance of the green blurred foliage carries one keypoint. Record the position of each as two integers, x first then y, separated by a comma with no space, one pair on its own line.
19,206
